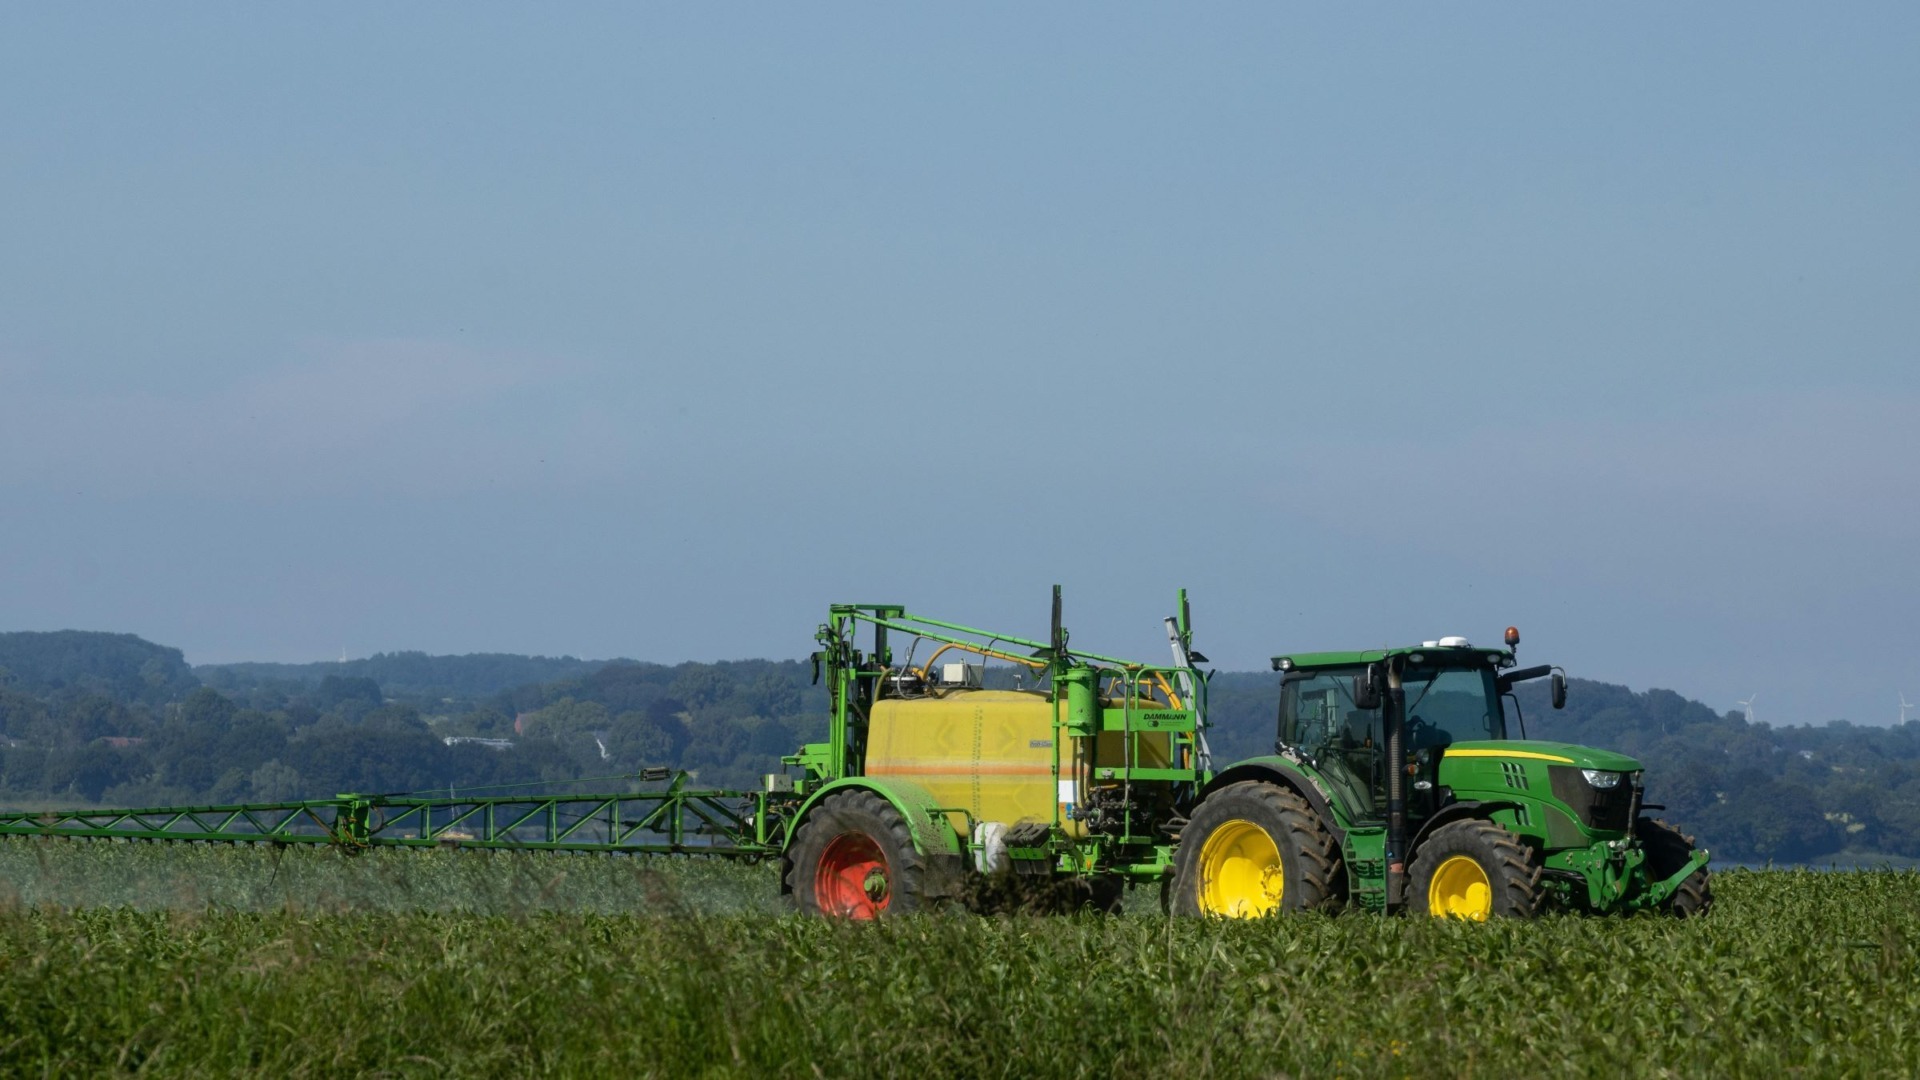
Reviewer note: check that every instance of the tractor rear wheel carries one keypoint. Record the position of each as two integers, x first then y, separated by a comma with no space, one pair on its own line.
853,858
1251,849
1668,849
1474,869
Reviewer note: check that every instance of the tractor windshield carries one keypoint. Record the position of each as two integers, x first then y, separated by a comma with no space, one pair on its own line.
1449,705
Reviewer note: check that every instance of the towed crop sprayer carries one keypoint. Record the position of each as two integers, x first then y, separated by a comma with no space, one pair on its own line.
1394,785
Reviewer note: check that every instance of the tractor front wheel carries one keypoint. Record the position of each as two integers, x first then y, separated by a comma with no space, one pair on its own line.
1251,849
1668,849
853,858
1475,870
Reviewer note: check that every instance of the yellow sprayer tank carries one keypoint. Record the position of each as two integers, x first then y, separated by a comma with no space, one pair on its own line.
991,752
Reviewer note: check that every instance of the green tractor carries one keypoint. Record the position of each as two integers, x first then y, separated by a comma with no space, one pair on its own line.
1403,780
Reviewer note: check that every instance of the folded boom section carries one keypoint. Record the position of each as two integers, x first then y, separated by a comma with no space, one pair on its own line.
671,820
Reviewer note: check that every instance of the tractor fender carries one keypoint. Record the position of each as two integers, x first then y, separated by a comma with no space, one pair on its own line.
1279,770
1459,811
934,834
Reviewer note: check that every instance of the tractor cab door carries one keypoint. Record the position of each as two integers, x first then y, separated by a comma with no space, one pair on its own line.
1318,718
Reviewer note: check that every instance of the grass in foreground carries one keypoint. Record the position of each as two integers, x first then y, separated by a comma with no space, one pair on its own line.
1795,972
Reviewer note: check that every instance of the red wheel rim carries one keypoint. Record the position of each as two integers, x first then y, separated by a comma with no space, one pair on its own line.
852,881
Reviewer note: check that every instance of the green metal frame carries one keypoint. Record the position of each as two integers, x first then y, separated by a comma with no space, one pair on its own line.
672,820
856,679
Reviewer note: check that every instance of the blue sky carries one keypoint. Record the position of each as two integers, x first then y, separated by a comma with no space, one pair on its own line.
650,331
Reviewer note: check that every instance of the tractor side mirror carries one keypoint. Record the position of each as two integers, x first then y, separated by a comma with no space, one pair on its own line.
1366,689
1559,691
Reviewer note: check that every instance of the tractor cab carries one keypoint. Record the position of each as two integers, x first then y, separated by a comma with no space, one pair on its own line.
1333,713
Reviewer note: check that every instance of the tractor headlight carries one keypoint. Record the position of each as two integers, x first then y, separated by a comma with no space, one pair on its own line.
1601,779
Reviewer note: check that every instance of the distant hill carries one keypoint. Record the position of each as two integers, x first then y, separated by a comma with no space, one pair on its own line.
124,667
408,674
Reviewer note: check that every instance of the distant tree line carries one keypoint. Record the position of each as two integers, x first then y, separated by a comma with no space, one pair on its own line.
88,718
109,718
121,667
409,675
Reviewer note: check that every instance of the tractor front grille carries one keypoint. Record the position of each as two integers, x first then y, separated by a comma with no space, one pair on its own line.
1609,809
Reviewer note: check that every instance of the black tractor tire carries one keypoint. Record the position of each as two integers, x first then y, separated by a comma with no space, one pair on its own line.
1511,870
1668,849
1302,873
853,858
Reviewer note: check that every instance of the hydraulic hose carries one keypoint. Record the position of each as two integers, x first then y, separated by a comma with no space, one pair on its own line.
926,669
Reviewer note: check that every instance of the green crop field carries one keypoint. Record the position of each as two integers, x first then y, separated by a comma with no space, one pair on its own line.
178,960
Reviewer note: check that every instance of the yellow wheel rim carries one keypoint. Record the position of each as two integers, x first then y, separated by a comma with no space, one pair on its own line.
1240,872
1460,890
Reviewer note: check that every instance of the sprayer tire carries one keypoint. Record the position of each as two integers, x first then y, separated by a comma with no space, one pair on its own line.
1668,849
1504,873
853,857
1253,848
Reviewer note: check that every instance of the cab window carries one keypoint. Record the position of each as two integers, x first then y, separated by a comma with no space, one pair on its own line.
1450,705
1318,718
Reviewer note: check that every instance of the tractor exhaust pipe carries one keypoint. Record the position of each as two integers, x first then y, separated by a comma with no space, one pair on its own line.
1396,725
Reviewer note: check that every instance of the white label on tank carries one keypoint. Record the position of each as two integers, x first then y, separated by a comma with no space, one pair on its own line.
1039,744
1069,792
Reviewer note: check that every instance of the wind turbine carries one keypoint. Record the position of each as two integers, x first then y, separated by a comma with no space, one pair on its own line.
1748,705
1905,706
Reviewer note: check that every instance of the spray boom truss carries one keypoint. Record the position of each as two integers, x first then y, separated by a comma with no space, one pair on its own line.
670,819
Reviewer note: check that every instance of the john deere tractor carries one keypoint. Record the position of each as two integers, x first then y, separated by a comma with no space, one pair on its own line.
1403,779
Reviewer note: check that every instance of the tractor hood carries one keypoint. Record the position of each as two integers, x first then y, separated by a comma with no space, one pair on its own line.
1553,753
